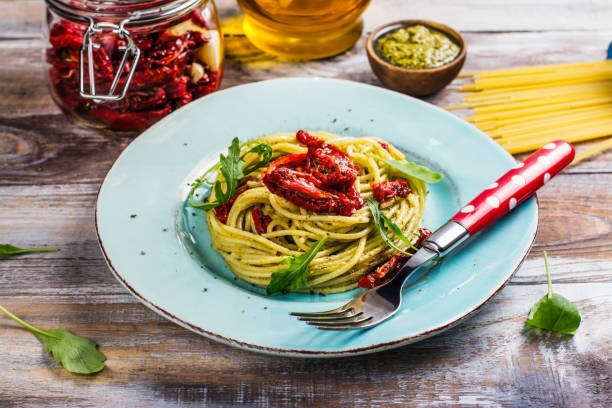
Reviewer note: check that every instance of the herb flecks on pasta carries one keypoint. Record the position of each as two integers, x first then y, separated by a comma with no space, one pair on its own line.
263,229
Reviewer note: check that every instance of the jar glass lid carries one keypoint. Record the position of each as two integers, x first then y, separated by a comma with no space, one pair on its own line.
137,11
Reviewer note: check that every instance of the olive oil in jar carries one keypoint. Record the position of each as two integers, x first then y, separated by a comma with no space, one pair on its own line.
303,29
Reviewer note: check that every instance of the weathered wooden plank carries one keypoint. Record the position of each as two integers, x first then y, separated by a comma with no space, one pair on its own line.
42,149
23,18
493,16
491,359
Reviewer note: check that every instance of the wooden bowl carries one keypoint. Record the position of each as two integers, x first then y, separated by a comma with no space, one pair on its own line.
415,82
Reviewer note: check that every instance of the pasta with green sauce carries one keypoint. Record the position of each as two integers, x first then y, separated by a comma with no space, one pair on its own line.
353,245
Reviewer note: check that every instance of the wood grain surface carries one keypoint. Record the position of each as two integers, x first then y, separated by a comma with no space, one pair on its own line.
50,172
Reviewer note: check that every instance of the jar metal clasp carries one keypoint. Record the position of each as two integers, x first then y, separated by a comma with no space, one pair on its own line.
130,50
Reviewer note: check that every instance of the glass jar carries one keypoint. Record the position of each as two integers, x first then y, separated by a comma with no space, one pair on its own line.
123,65
303,29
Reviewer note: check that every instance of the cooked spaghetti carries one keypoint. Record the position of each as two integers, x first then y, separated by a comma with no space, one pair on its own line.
261,229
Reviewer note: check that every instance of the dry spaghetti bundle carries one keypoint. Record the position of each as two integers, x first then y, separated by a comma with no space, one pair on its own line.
525,108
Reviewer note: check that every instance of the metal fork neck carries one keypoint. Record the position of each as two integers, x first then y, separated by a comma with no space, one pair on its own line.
442,241
446,237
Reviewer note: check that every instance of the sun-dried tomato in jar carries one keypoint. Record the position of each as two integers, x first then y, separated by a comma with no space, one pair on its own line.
123,65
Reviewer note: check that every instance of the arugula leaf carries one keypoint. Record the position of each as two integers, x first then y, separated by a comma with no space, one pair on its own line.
77,354
264,150
296,273
380,220
232,169
411,169
7,249
553,311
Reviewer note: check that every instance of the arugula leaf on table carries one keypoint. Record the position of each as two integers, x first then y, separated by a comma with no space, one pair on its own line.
380,219
232,169
296,274
77,354
411,169
7,249
553,311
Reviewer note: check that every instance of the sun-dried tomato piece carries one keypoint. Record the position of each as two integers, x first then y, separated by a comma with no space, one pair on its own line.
260,220
177,92
291,160
386,190
385,272
140,101
384,145
175,49
198,19
65,34
321,180
129,120
207,84
424,233
354,196
222,211
327,162
306,191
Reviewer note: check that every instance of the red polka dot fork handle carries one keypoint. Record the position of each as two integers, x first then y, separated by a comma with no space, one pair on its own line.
515,186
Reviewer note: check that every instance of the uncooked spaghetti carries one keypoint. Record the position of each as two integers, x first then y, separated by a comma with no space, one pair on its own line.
525,108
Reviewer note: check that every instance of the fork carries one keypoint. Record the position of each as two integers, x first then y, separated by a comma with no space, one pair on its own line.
380,303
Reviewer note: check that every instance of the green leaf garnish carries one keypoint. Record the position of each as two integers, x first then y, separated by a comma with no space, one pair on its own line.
77,354
6,250
264,150
232,169
295,275
553,311
380,220
411,169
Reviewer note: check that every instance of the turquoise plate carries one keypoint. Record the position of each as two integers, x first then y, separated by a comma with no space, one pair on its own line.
160,251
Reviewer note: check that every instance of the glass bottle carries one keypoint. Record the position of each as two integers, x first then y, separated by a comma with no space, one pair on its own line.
303,29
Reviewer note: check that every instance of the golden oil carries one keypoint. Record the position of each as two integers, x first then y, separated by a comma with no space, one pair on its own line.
303,29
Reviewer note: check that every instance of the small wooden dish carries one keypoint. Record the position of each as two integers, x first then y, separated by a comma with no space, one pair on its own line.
415,82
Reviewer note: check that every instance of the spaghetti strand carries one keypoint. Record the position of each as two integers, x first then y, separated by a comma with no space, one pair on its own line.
353,246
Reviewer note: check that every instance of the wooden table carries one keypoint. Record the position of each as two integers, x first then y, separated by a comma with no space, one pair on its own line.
50,171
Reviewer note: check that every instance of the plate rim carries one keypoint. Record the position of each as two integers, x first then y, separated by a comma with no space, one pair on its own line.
285,352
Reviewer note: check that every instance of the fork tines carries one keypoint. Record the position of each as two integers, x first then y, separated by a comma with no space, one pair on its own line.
337,319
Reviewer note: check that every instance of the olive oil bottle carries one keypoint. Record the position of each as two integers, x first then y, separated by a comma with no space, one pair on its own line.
303,29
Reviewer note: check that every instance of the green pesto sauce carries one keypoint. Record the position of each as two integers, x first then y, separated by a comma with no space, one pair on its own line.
417,47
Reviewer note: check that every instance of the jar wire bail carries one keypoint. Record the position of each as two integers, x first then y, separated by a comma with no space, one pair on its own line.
145,16
89,45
